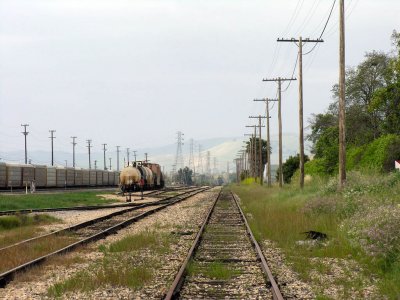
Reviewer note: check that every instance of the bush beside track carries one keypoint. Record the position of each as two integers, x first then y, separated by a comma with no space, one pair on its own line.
362,223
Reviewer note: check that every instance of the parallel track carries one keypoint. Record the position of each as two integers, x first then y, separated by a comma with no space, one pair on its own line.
225,260
86,232
88,207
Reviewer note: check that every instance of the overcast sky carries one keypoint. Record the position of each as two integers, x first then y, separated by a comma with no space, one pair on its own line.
132,73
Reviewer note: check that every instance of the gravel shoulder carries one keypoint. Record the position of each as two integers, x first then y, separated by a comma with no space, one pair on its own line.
182,220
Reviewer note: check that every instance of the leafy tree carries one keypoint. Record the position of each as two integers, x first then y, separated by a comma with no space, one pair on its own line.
263,154
290,166
184,176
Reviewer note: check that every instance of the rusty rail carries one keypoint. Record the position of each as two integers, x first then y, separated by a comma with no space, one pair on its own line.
9,275
276,293
176,285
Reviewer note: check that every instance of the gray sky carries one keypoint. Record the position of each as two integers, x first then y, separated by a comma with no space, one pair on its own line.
132,73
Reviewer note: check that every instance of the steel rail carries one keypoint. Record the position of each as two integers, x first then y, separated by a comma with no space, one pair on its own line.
179,278
7,276
274,286
88,207
93,221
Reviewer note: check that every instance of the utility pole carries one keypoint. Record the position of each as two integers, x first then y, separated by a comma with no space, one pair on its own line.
279,80
89,146
110,163
25,133
237,170
134,155
127,155
73,150
267,100
299,42
200,161
118,157
253,151
104,152
95,164
259,173
342,100
249,152
260,163
145,160
52,137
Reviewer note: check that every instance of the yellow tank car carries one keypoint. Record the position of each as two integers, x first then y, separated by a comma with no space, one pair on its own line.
130,179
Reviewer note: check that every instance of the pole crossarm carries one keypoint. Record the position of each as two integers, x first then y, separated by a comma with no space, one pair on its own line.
257,117
258,126
265,100
306,40
279,79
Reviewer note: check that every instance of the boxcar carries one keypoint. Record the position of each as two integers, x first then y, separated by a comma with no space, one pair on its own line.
116,178
110,178
14,175
85,177
105,177
51,177
70,176
40,174
99,177
61,177
28,174
3,175
92,178
78,177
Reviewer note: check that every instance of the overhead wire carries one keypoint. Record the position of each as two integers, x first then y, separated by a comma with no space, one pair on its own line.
323,30
307,19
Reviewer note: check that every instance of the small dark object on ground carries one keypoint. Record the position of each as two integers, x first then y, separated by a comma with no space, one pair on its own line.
315,235
182,232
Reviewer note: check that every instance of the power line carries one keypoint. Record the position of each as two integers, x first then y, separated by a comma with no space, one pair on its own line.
323,30
25,133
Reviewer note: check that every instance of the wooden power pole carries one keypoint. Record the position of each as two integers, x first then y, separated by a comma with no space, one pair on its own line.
52,137
260,164
342,101
25,133
266,100
299,42
253,151
279,80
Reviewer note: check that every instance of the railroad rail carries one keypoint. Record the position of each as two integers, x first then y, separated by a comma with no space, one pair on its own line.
89,207
84,233
225,260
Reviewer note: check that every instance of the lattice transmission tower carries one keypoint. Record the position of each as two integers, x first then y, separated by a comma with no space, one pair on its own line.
179,164
191,155
200,162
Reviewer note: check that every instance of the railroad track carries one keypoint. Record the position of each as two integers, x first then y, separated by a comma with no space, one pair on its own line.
225,260
25,254
157,193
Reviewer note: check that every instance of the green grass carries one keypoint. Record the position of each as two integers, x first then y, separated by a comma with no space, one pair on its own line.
32,201
11,222
129,262
108,273
215,270
281,215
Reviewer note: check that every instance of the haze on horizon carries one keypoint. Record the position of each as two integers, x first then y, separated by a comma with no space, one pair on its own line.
132,73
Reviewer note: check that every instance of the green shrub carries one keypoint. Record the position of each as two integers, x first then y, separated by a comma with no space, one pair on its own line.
316,167
378,155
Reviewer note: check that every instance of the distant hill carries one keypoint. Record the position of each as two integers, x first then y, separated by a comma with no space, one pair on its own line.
223,149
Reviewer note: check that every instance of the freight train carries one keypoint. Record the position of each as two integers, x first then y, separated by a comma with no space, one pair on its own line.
141,176
136,177
21,176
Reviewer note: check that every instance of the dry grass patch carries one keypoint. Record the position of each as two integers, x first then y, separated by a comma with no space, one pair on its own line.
129,262
18,255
